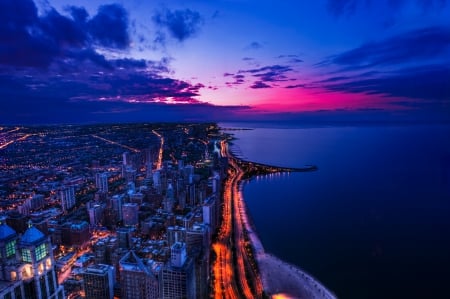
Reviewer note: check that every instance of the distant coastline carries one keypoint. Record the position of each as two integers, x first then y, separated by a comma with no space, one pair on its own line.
280,279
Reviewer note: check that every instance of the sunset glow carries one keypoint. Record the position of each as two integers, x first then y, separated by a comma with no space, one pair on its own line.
222,60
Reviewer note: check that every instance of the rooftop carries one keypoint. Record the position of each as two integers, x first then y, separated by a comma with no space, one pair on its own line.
32,236
6,232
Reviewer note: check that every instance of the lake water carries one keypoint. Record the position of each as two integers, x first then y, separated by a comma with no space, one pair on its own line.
372,222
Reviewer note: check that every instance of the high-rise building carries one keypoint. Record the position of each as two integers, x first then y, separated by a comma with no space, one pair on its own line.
130,214
124,237
210,216
79,233
116,204
175,234
137,279
98,282
169,199
95,212
101,182
157,180
177,279
197,246
27,265
67,196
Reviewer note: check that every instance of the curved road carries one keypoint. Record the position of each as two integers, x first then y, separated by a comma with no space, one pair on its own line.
233,275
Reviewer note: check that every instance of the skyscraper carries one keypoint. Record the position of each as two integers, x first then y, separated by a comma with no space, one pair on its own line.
27,265
98,282
67,195
130,214
177,279
101,182
137,279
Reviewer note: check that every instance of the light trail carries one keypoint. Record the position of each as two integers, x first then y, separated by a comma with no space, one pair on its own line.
116,143
232,265
4,145
161,149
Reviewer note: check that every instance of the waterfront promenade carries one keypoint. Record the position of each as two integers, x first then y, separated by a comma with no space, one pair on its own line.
277,278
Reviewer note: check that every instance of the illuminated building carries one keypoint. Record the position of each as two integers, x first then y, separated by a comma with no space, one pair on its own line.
210,216
175,234
98,282
177,279
130,214
67,196
27,265
101,182
137,279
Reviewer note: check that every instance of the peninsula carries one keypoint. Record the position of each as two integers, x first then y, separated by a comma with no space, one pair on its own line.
242,269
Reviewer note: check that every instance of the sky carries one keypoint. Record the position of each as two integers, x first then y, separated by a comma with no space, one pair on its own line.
65,61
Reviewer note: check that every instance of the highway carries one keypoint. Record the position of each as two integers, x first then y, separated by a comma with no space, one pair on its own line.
233,275
116,143
161,149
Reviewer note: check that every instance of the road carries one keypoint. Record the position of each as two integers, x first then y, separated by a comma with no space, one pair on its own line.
116,143
161,149
232,266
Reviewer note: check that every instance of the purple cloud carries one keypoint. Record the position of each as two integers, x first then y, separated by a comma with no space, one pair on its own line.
181,24
260,85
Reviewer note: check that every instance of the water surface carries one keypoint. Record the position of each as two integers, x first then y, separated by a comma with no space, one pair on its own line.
373,222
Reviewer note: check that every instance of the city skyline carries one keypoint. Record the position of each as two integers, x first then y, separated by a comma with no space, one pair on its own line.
122,61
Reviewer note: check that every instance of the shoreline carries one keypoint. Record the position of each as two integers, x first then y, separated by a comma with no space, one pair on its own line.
280,279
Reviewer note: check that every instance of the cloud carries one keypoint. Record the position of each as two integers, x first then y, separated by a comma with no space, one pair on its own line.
429,83
271,73
238,79
410,47
263,75
31,40
51,64
259,85
181,24
109,27
295,86
254,46
411,65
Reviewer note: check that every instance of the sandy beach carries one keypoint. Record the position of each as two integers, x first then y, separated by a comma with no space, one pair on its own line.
280,279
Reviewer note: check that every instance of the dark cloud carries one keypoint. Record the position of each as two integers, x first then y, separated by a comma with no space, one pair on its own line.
412,65
50,66
259,85
22,42
254,46
429,83
295,86
272,73
238,80
79,14
181,24
263,75
109,27
31,40
410,47
248,58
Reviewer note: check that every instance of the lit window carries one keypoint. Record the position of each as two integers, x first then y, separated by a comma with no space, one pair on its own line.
10,248
26,255
49,263
41,268
41,252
